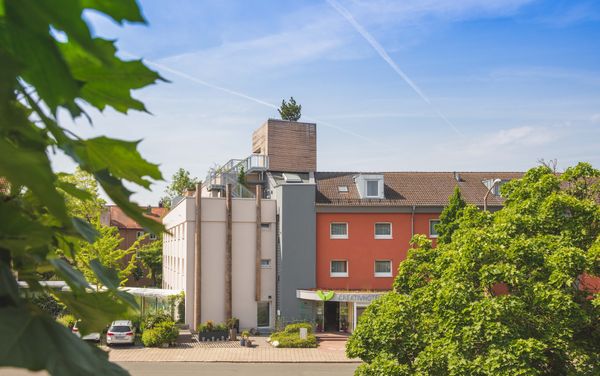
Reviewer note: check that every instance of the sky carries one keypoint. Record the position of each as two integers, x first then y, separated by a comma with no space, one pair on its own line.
412,85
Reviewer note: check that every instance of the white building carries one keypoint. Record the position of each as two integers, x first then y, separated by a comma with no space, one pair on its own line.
254,309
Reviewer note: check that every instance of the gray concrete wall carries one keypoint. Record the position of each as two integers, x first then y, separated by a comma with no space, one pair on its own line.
297,216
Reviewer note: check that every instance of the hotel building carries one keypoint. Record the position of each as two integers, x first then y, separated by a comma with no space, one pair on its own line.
279,240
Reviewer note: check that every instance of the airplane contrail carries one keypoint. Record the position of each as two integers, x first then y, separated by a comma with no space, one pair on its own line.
248,97
384,55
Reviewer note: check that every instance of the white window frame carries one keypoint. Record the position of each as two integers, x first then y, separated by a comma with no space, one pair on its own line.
383,236
433,236
139,234
367,181
152,236
339,274
267,266
332,236
382,274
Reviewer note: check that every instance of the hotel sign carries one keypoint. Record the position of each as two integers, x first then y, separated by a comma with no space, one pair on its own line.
338,296
358,298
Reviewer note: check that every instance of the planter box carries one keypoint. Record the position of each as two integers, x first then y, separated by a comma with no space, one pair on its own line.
214,335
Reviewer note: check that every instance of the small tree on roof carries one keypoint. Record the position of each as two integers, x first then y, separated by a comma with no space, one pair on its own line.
290,110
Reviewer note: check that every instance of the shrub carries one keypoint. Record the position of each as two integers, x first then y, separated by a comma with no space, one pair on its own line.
295,328
48,304
152,320
162,332
67,320
245,334
293,340
151,338
290,336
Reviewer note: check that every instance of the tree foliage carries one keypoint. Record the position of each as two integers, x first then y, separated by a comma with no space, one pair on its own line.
290,110
150,255
50,61
504,296
105,250
449,216
181,182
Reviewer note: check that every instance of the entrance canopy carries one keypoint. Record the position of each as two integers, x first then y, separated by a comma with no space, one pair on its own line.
339,295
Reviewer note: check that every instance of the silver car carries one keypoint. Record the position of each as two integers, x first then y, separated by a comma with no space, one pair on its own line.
88,337
121,331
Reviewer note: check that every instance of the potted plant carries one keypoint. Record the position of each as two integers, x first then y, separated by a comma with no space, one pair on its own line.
210,331
244,339
232,325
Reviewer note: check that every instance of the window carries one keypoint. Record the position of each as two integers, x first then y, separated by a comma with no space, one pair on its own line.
383,268
343,188
139,234
339,268
432,228
153,237
263,314
372,188
265,263
339,231
383,230
265,226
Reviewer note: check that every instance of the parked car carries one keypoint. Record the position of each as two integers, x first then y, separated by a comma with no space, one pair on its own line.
120,331
88,337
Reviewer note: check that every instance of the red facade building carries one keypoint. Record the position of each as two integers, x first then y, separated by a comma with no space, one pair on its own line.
364,225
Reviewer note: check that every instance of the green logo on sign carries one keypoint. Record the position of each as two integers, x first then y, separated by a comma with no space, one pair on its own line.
325,295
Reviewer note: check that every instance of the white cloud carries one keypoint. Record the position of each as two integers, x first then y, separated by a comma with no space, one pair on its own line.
595,118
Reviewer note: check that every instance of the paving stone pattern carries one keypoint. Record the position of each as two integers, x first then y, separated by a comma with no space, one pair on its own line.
189,349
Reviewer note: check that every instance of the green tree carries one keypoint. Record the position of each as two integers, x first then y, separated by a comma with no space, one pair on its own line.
150,255
504,296
50,61
290,110
180,183
449,216
105,249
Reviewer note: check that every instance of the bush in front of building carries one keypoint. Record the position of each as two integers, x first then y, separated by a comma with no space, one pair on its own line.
295,328
164,332
153,319
290,337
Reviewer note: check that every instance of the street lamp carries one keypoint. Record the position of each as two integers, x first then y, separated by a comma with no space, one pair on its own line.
494,183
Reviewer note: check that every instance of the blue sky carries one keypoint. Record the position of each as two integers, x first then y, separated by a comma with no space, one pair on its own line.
480,84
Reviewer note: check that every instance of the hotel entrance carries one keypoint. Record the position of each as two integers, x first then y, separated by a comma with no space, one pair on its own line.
332,316
339,311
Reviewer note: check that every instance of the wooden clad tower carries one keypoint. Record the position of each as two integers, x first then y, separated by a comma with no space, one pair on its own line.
290,145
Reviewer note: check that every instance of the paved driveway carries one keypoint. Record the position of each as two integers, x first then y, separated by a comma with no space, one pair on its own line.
262,352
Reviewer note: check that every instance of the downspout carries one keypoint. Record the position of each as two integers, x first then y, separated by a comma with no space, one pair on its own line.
412,222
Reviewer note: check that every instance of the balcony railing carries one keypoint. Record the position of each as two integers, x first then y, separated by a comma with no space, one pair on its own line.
218,178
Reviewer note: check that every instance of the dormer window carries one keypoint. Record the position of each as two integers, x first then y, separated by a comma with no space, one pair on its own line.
370,186
343,188
497,188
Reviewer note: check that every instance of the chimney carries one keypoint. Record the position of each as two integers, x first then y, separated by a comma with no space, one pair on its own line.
457,177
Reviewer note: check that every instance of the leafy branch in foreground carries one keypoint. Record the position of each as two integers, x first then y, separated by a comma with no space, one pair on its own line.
49,60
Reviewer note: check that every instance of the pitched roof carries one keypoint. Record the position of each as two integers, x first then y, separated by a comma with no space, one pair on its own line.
114,216
410,188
